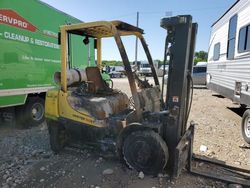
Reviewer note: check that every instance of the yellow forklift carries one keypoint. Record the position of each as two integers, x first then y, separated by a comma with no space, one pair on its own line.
148,131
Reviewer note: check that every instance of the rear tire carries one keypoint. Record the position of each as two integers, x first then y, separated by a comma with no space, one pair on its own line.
245,126
31,113
145,151
57,134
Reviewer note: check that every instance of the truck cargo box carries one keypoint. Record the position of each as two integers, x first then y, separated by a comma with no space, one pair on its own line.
30,53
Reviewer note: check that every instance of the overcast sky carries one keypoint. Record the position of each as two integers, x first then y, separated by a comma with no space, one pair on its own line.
205,12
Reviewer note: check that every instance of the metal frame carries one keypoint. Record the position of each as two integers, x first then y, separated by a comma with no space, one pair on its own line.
221,171
182,36
104,29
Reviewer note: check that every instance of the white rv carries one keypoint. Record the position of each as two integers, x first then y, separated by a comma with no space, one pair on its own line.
228,68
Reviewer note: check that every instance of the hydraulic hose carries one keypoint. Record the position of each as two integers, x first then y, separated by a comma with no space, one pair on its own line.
164,71
189,77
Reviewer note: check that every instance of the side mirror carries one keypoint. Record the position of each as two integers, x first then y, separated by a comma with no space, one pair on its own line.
86,40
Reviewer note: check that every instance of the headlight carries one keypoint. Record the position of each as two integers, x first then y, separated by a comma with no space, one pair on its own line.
209,77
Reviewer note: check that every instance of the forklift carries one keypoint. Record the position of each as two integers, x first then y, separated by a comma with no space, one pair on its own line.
148,131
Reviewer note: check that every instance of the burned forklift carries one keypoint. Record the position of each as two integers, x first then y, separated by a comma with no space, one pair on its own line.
150,130
85,109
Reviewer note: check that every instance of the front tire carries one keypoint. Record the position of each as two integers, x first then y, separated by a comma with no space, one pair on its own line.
245,126
243,106
57,134
145,151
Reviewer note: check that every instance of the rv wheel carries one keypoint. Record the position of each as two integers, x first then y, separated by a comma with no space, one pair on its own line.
57,134
245,126
145,151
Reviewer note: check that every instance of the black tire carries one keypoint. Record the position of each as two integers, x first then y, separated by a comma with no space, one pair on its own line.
145,151
245,126
57,136
31,113
243,106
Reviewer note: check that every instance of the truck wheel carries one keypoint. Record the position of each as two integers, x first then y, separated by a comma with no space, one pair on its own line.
245,126
32,113
145,151
57,134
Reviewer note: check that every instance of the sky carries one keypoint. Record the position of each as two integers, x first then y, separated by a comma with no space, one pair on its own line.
204,12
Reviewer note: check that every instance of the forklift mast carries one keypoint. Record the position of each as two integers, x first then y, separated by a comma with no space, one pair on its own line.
180,44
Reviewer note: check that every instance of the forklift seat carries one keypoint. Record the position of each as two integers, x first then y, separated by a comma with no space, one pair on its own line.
94,77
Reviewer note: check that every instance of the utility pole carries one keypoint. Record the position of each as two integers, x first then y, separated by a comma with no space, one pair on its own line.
136,40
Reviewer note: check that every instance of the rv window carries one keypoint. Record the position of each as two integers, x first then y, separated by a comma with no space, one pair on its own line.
242,39
230,50
248,38
231,37
232,27
216,55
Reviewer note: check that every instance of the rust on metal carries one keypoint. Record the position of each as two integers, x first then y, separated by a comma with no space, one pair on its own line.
99,106
150,60
129,72
116,29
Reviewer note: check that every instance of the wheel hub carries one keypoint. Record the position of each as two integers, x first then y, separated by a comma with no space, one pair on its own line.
37,111
247,127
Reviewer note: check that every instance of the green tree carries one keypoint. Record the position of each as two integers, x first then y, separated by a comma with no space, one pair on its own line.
112,63
200,56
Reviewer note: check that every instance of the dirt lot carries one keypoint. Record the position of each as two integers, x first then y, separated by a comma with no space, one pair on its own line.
27,161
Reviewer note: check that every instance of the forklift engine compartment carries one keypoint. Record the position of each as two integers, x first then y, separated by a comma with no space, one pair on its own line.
147,130
99,106
96,98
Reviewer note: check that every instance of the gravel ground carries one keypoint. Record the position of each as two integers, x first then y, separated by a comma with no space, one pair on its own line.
27,161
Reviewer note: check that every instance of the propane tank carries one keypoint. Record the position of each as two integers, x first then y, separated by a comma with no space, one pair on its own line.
73,76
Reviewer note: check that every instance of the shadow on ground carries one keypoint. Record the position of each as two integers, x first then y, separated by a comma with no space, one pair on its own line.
218,96
239,111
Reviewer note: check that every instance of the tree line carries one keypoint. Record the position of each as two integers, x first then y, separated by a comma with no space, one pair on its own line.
199,56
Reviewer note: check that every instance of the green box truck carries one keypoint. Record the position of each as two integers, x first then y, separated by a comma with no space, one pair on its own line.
30,55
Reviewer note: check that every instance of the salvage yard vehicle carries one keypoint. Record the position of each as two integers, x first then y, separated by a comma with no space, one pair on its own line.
229,59
199,74
116,71
150,134
144,68
30,55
